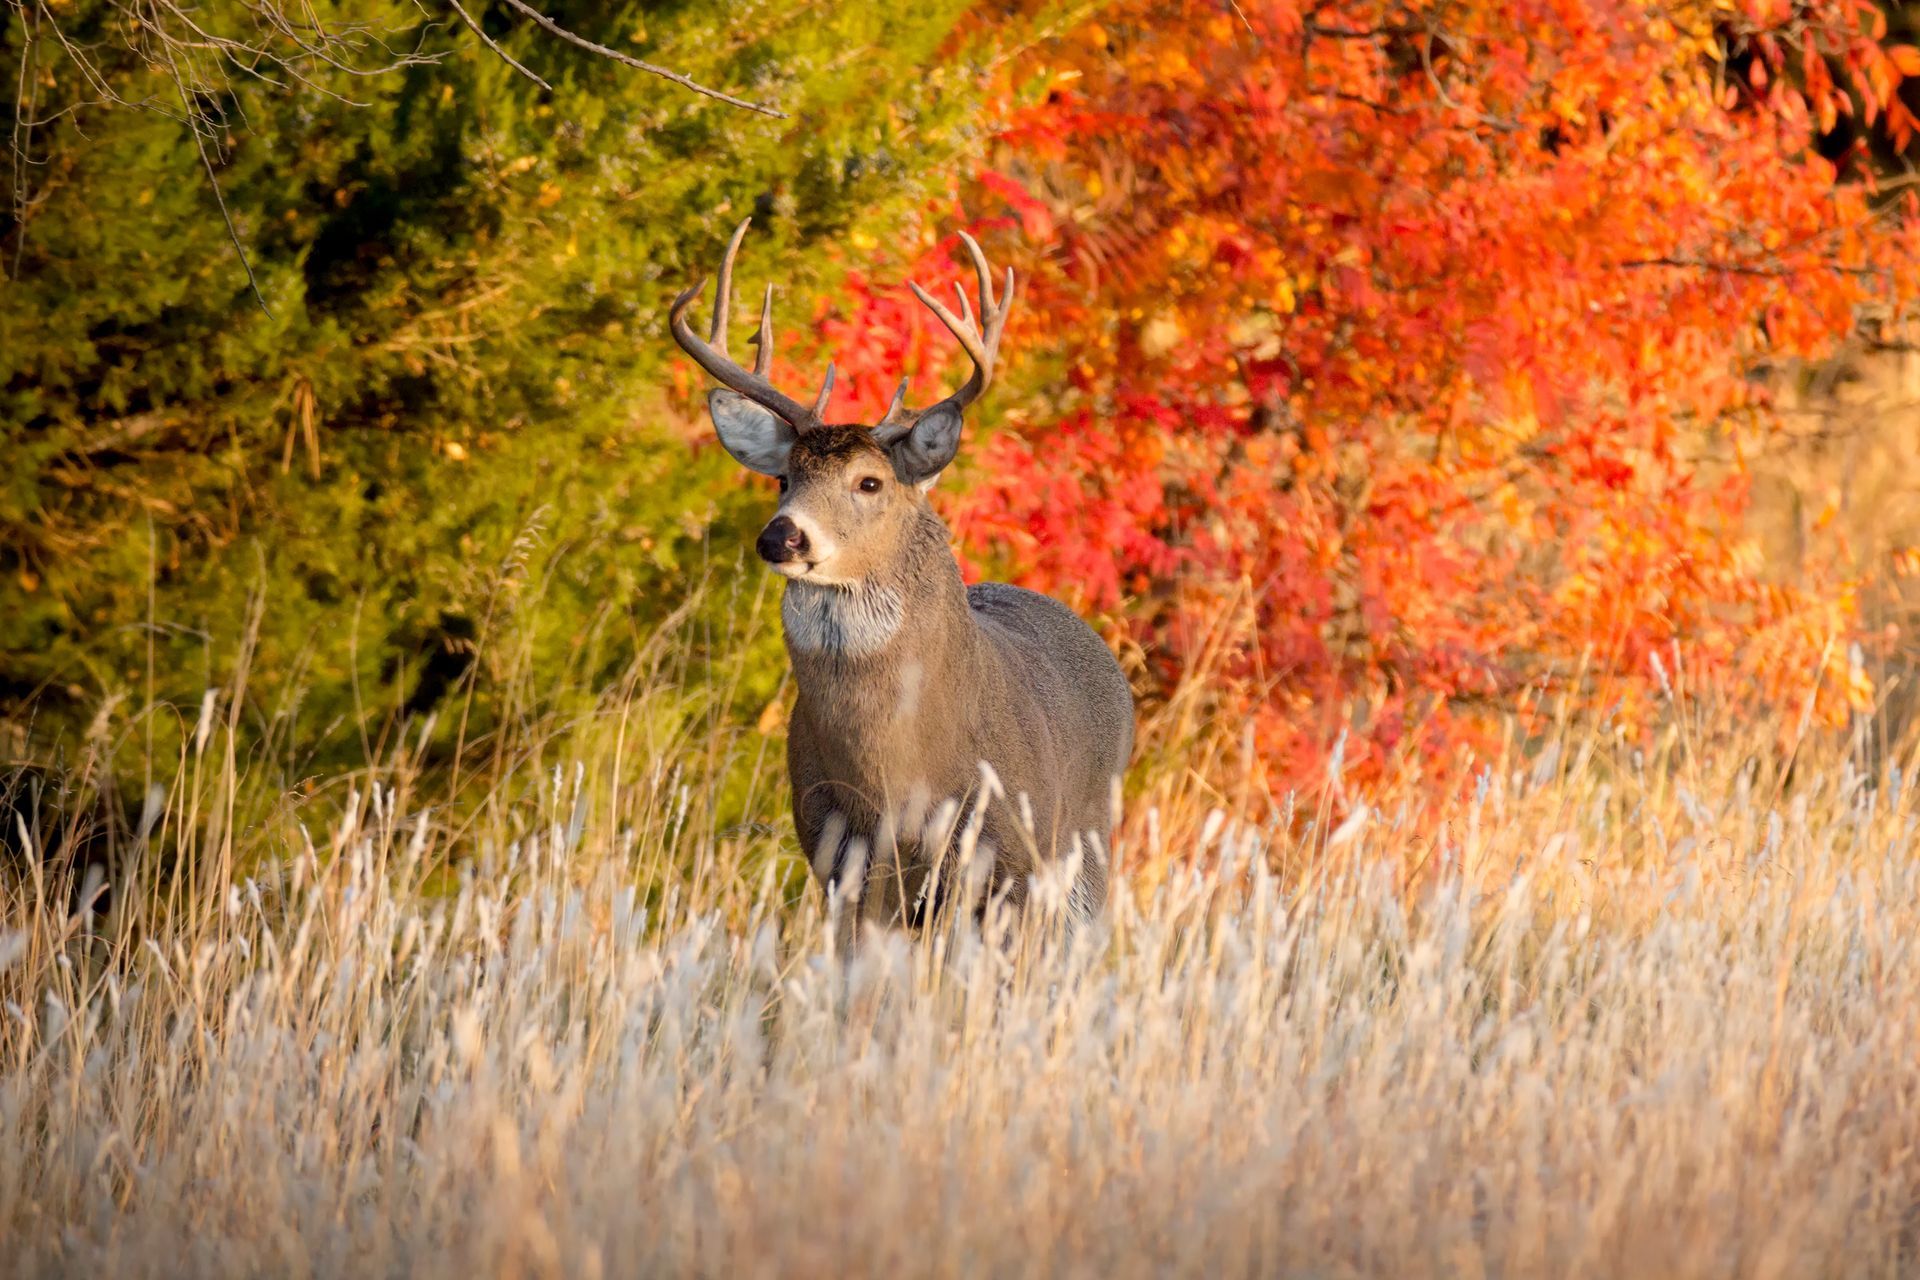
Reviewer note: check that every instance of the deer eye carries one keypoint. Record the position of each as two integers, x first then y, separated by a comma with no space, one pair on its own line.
783,484
869,484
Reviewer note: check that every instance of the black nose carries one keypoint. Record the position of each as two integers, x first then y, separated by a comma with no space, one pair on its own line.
781,541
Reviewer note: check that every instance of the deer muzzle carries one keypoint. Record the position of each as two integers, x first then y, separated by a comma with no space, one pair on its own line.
782,541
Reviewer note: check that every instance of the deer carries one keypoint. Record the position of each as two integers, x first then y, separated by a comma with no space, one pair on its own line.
934,723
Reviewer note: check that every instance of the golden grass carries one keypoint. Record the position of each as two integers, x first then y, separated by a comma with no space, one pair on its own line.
1603,1016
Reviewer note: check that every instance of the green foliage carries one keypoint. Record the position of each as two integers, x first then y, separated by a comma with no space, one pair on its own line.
452,434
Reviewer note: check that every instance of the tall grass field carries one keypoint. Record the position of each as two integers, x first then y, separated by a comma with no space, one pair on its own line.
1611,1011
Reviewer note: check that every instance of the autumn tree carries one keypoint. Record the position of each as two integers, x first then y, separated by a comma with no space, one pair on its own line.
1390,362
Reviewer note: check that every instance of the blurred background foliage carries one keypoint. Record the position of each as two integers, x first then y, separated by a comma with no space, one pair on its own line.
1388,376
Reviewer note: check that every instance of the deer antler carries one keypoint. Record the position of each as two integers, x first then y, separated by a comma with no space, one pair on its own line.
980,339
712,356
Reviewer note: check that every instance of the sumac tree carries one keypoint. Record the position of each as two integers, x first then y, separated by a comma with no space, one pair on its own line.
1397,356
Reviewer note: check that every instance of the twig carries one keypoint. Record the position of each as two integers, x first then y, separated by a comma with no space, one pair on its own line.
1244,20
350,39
1696,264
687,82
1740,268
1341,95
282,50
1384,31
213,178
85,64
491,44
25,107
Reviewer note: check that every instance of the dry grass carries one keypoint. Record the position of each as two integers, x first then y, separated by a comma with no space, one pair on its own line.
1838,487
1599,1018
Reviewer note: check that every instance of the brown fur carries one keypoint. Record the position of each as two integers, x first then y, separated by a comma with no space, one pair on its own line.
992,672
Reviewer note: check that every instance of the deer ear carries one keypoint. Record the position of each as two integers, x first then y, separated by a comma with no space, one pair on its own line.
924,452
756,437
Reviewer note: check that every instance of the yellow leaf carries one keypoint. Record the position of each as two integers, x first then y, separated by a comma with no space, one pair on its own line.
1161,334
772,717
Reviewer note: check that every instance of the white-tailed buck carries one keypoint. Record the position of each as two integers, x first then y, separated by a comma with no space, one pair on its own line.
909,680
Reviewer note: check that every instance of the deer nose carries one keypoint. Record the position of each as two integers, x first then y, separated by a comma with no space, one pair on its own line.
781,540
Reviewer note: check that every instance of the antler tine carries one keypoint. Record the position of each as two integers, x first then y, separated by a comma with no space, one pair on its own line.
978,336
969,336
723,303
899,403
983,271
981,344
966,307
898,420
826,391
762,338
712,356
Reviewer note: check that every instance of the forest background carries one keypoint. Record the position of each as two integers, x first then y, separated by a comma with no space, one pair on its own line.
1387,378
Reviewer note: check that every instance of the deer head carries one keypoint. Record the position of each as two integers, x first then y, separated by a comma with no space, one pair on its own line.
850,493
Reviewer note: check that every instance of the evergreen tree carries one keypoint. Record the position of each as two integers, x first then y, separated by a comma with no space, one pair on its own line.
457,383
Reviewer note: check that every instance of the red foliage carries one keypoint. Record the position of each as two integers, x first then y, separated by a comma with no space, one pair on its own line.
1391,360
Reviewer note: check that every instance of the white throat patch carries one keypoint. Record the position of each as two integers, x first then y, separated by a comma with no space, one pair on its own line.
852,621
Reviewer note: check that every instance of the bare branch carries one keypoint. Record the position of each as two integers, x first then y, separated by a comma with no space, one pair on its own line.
196,124
282,43
489,41
26,104
549,24
1774,269
80,60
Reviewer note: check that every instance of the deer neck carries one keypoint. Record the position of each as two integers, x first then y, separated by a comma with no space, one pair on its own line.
914,611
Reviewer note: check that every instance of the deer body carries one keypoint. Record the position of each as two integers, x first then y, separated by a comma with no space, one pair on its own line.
885,729
908,680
